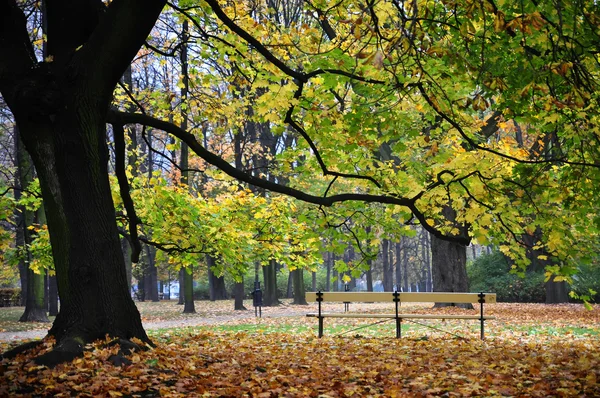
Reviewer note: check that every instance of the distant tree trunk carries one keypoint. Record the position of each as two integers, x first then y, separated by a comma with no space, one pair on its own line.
399,258
181,282
425,254
270,281
328,262
52,296
369,264
405,265
314,281
289,293
35,309
126,248
151,287
216,284
556,292
22,278
299,291
238,292
335,277
188,291
388,275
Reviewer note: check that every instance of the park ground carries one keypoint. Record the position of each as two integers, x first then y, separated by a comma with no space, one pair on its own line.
530,350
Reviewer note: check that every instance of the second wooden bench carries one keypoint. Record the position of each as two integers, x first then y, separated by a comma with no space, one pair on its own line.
398,298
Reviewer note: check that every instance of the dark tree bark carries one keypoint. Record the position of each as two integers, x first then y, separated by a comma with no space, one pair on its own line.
449,267
399,258
290,286
52,296
426,254
299,291
181,282
20,223
216,284
126,249
60,107
388,271
151,285
188,291
188,281
556,292
328,261
238,293
449,262
405,265
270,298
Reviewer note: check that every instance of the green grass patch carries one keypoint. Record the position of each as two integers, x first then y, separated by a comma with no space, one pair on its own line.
9,321
550,330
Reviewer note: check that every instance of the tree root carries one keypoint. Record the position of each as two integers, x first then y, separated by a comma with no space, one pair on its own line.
67,350
73,347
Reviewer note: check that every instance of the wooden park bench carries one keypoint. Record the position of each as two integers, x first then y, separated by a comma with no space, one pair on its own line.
398,298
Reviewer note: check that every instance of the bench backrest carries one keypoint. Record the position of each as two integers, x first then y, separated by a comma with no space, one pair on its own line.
405,297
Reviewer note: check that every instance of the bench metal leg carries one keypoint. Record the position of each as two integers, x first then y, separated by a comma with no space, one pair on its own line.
481,300
320,326
398,328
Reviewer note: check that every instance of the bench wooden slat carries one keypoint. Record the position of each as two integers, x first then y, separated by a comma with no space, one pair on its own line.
405,297
392,316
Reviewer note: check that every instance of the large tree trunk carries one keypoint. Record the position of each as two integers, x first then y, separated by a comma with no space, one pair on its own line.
71,156
52,296
238,293
299,291
449,267
60,106
270,280
188,291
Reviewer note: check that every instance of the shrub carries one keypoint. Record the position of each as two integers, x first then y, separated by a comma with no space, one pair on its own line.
491,273
588,278
201,290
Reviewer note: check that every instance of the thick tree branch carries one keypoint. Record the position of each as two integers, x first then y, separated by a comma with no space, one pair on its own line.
18,56
240,175
70,23
121,32
119,137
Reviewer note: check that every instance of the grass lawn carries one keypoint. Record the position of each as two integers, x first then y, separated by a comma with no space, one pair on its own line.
530,350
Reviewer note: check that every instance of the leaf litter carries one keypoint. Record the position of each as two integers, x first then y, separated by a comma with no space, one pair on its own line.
263,362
